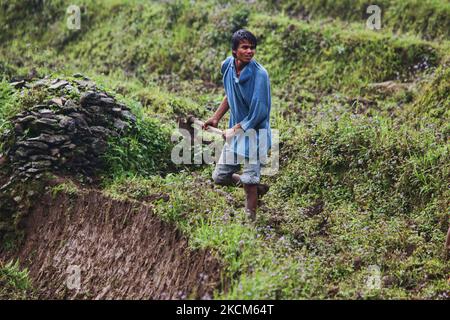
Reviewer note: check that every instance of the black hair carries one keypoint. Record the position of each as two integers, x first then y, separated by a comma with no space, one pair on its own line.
241,35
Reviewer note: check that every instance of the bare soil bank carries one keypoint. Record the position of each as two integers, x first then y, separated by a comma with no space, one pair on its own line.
119,249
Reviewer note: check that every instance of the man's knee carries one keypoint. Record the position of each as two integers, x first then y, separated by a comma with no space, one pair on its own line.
219,178
250,179
222,174
251,174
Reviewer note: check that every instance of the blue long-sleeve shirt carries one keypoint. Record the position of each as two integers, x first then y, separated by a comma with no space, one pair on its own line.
249,100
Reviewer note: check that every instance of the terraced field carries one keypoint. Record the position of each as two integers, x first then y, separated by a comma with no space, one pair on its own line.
359,207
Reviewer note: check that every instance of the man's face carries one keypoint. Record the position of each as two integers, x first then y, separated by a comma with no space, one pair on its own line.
245,51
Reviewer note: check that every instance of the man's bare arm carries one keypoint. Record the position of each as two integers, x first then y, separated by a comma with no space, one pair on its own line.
223,108
214,120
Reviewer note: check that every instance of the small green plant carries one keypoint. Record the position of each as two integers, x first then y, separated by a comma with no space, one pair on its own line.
67,187
14,281
8,107
146,150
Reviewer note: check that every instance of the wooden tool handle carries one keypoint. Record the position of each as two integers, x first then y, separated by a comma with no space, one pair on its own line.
201,123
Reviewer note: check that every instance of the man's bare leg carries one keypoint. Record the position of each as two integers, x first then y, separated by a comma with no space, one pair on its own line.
251,193
236,179
261,188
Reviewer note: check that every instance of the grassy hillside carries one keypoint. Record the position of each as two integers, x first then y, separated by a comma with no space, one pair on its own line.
363,117
428,19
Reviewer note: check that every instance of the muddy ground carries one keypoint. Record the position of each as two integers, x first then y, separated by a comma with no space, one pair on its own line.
89,246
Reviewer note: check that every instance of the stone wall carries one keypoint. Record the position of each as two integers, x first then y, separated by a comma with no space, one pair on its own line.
64,134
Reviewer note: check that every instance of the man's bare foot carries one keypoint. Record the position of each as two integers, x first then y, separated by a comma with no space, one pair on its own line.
251,215
262,189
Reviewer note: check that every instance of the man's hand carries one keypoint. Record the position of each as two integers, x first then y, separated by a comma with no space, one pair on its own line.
229,133
213,122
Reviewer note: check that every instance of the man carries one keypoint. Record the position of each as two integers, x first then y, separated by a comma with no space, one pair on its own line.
247,89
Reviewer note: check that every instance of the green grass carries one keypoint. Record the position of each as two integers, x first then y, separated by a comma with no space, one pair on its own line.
9,107
433,105
209,222
428,18
302,257
157,40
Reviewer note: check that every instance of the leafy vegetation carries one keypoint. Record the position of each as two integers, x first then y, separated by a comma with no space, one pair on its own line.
147,150
14,282
427,18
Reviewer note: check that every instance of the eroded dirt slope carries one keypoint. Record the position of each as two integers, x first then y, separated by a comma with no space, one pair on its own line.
121,248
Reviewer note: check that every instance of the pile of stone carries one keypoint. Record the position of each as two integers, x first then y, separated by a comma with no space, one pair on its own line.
65,134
